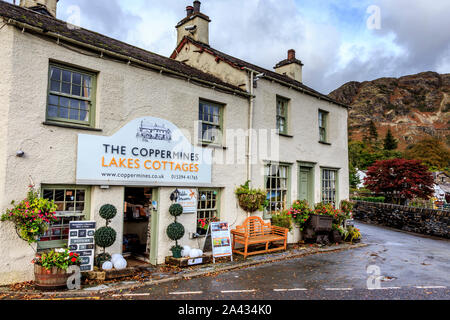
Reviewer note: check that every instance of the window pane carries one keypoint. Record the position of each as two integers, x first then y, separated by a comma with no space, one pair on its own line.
55,74
66,76
55,86
64,113
65,88
76,90
52,111
76,78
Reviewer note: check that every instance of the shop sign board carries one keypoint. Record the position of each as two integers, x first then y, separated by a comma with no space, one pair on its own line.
146,151
81,241
221,240
187,198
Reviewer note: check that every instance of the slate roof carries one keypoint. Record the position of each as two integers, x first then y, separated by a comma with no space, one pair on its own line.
238,63
50,24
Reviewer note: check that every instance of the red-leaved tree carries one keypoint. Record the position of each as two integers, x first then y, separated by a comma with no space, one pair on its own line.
400,179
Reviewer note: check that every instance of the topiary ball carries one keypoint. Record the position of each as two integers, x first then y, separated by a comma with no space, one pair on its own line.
176,210
105,237
175,231
108,211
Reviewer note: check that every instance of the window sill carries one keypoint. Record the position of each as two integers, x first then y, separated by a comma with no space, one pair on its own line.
70,126
285,135
325,143
214,146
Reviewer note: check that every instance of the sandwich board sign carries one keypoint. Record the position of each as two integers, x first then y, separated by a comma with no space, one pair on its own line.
81,241
220,240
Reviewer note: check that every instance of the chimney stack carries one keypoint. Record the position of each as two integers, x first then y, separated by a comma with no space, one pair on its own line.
195,25
197,5
47,7
291,55
291,67
189,10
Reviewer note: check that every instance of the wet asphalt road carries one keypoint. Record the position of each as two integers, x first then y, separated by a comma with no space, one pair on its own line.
395,266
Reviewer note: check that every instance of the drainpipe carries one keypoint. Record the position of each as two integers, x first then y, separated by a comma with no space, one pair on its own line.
250,128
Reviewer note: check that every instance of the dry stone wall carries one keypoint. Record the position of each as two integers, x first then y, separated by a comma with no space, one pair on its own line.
418,220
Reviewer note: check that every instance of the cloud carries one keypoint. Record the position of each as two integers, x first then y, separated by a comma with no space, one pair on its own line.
330,36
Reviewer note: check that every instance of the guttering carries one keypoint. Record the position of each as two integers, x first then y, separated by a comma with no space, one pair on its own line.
124,57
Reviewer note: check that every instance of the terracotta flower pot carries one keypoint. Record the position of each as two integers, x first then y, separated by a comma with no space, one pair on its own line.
54,278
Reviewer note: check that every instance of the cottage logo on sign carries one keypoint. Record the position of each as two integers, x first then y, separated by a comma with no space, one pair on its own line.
146,151
146,131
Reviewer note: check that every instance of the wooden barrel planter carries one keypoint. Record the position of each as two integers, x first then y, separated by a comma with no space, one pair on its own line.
321,223
52,279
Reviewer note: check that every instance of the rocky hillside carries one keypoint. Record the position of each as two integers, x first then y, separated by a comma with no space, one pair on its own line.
414,106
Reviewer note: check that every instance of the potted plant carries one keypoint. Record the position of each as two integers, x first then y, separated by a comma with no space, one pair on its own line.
251,200
282,219
175,231
203,224
322,218
300,212
105,236
346,208
354,234
32,216
50,268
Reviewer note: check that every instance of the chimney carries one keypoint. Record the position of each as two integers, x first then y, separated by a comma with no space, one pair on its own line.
47,7
189,10
291,67
195,25
197,5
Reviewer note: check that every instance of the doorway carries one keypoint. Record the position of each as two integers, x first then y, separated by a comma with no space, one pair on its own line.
138,210
306,184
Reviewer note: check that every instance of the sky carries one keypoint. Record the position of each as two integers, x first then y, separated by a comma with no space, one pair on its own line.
337,40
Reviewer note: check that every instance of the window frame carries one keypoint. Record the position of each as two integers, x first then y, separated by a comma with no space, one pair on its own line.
92,100
221,107
216,209
285,116
336,182
267,214
324,127
44,245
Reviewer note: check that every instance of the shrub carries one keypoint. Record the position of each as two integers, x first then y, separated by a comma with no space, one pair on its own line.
175,231
176,210
282,219
108,211
105,237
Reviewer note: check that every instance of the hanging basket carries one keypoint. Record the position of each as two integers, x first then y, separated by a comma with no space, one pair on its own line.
251,202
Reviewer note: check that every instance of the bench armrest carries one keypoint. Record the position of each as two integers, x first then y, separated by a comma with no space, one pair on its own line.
238,233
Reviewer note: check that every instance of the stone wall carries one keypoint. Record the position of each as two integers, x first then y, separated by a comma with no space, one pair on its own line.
418,220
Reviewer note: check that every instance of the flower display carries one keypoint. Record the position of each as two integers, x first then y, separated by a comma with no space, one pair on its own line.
300,213
32,216
59,258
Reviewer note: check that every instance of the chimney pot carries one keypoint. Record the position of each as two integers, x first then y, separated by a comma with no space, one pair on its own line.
197,6
291,54
189,10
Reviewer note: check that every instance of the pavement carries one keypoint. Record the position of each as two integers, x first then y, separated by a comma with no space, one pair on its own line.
168,275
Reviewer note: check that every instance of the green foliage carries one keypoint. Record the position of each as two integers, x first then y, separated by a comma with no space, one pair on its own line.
102,258
59,258
176,209
108,211
362,155
390,143
32,216
251,200
175,231
432,152
282,219
105,237
353,234
353,177
370,199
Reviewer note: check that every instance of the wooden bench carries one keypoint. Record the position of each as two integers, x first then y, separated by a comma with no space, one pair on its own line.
255,231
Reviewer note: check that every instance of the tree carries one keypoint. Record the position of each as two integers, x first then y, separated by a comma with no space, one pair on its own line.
353,177
400,179
389,141
431,152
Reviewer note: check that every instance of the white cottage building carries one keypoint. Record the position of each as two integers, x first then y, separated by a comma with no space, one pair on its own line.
91,121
